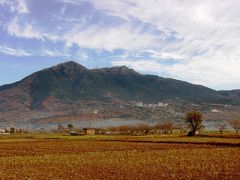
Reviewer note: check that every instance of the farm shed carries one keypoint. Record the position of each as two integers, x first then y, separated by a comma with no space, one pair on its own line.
89,131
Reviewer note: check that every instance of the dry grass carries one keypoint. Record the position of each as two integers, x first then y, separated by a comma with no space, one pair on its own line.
96,158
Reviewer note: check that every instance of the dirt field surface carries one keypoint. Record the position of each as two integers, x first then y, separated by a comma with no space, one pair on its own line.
123,157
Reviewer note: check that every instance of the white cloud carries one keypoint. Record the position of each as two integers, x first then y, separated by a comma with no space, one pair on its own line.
83,55
26,30
163,55
212,73
14,52
22,6
141,65
206,36
202,36
19,6
110,38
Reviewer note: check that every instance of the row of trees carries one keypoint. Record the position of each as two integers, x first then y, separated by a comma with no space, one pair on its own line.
192,123
234,123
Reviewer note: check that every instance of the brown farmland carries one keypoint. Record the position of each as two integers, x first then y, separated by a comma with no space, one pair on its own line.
111,158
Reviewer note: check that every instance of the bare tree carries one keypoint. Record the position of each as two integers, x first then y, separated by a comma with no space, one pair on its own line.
159,128
165,127
170,126
60,128
124,129
235,124
181,127
142,128
194,119
221,127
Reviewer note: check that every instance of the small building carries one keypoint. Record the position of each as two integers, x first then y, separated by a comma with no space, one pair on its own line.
160,104
73,133
89,131
2,131
95,111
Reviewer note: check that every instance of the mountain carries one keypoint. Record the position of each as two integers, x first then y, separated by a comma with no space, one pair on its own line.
70,82
233,94
69,92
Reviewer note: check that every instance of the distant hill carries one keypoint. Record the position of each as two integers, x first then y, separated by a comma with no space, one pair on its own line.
234,95
70,82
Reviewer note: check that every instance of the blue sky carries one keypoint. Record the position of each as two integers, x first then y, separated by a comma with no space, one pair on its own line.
194,41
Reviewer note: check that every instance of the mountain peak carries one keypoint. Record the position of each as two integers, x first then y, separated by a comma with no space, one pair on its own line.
123,70
72,64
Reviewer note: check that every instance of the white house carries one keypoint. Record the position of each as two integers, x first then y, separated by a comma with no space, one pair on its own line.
95,111
215,111
140,104
3,131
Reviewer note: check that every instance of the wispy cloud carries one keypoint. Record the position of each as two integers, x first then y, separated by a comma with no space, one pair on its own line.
41,52
14,52
206,37
76,2
110,38
200,71
52,53
26,31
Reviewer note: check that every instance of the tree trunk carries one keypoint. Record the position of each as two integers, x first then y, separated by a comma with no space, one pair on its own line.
191,133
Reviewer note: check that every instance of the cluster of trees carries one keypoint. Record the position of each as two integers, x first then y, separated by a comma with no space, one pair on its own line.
62,129
194,120
140,129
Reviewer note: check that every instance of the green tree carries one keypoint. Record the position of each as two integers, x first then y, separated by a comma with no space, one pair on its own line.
70,126
12,130
194,119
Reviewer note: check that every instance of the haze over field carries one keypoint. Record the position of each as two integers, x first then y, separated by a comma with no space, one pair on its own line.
194,41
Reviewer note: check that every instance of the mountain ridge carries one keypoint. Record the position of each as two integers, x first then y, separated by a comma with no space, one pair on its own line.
69,92
71,81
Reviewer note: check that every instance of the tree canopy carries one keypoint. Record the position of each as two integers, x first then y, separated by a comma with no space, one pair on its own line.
194,119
